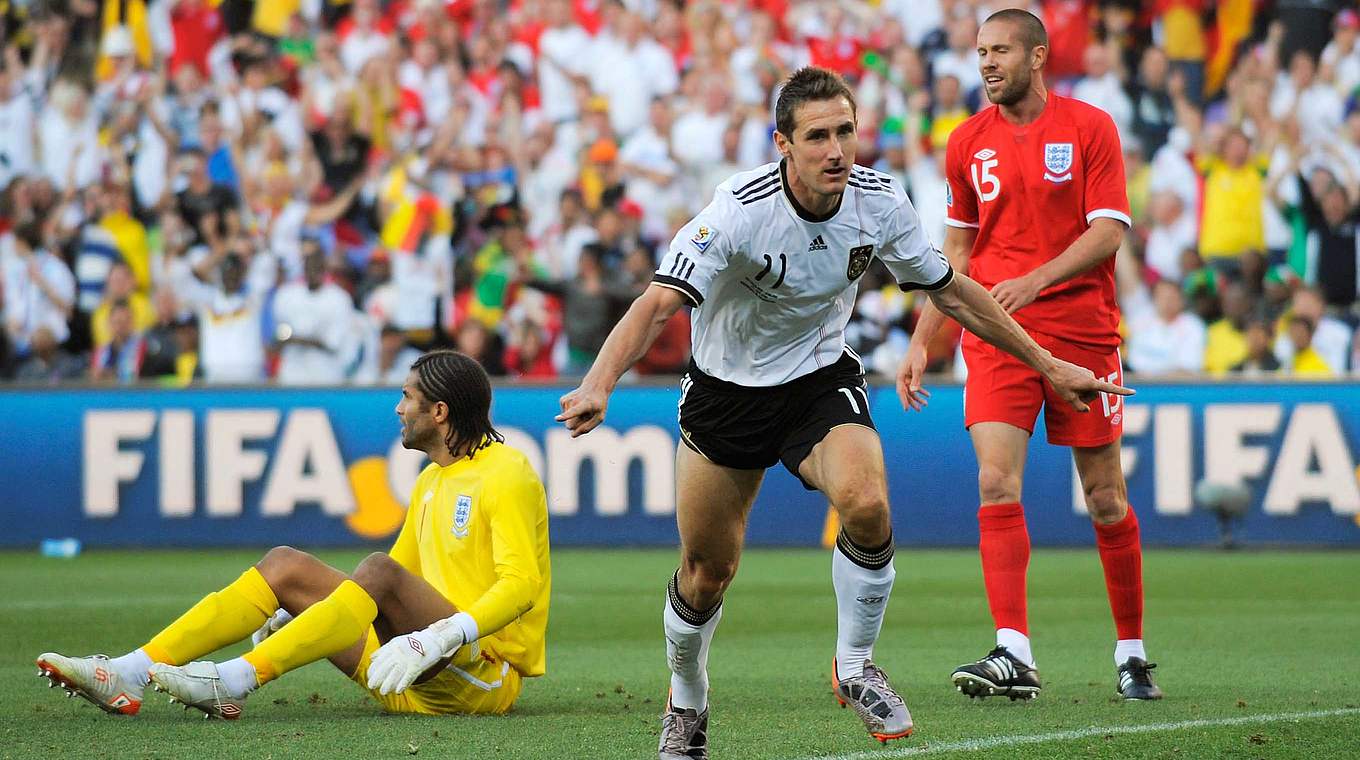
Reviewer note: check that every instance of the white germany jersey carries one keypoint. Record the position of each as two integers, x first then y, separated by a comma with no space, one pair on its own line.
773,285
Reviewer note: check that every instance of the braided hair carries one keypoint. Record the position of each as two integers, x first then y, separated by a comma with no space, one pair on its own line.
461,383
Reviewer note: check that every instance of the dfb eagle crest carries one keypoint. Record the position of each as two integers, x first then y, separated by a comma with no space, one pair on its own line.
860,256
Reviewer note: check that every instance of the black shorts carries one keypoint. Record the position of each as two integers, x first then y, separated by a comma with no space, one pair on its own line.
749,428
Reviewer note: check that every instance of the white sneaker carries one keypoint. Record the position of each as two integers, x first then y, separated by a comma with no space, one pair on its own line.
92,679
199,686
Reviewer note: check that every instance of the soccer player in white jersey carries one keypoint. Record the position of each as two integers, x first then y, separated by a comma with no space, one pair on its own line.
771,268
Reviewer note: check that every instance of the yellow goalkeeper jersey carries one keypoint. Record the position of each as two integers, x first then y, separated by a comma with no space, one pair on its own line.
477,530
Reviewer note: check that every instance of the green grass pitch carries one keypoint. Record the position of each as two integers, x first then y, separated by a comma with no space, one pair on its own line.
1257,652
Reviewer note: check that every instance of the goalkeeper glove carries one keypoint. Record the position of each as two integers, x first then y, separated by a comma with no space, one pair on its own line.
398,663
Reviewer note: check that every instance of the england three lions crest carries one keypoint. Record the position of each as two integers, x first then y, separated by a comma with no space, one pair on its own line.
860,256
462,515
1058,162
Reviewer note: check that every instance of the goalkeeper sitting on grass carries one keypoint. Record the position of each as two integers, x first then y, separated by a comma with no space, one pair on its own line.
448,622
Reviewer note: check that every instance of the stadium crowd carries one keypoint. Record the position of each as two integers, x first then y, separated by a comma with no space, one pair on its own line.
311,191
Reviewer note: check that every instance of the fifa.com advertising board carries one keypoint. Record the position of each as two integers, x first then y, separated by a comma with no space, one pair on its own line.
316,467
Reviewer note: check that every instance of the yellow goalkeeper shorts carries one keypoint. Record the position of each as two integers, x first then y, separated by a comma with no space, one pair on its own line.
474,683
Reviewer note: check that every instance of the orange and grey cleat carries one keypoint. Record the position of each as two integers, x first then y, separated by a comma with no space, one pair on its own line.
92,679
882,709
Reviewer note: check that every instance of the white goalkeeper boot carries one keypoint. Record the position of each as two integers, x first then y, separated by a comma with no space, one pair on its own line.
197,685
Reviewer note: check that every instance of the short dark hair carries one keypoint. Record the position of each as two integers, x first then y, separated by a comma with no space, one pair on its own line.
30,233
1032,31
810,83
461,383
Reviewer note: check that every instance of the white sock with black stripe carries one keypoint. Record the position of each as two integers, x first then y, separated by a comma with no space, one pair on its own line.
688,635
863,579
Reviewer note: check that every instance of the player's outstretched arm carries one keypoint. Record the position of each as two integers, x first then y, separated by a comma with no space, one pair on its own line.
966,301
583,409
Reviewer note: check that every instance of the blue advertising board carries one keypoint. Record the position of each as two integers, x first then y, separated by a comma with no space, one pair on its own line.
318,467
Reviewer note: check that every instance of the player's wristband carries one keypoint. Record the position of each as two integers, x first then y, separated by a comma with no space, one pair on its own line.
455,631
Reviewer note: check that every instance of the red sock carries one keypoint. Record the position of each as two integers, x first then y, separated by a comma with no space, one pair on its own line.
1004,546
1121,553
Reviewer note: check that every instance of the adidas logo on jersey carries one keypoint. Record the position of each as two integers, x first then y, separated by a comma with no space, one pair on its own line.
816,244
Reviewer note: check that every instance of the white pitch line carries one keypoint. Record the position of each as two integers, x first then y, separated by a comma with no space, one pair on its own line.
994,742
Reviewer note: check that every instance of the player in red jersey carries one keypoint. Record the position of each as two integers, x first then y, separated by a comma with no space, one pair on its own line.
1036,209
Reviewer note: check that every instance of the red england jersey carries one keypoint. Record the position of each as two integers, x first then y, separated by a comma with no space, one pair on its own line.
1031,191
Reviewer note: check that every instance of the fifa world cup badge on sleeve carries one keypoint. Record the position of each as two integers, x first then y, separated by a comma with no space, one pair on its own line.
462,515
860,256
1058,162
703,238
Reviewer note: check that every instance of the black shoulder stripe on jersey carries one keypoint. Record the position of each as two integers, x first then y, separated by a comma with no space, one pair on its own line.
749,200
769,183
940,283
754,182
869,188
867,173
868,181
696,299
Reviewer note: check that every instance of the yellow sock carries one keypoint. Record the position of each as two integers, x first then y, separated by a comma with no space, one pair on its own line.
221,618
323,629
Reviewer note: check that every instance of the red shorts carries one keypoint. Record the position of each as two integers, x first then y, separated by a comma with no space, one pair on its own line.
1001,388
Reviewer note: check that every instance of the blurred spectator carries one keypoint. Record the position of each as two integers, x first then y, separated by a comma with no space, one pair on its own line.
39,290
68,137
1306,361
1302,94
592,302
342,148
210,209
700,128
230,313
48,363
649,170
630,70
1341,56
161,357
391,362
313,324
527,352
1173,231
1154,114
120,288
563,56
1185,40
562,243
1328,337
947,111
1226,343
1163,338
119,360
959,59
18,152
1331,210
196,26
1069,34
1234,189
473,339
1260,359
1101,87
